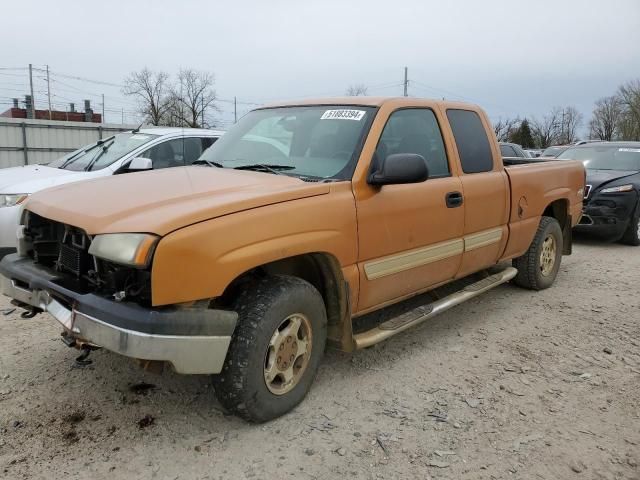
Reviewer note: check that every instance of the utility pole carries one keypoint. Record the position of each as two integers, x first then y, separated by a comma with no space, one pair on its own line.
406,82
202,104
235,110
33,100
49,92
122,116
103,108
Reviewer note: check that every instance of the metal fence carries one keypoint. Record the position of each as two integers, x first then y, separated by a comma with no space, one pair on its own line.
25,141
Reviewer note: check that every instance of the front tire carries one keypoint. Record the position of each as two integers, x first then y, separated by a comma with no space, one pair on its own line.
538,267
275,350
632,234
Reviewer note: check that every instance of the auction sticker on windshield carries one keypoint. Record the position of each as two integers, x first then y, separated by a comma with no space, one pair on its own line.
343,114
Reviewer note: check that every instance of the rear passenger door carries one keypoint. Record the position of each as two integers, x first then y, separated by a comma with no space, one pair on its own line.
408,237
485,188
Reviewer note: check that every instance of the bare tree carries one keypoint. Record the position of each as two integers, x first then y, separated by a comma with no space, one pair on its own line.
570,122
151,89
629,96
191,98
356,90
504,128
606,118
545,131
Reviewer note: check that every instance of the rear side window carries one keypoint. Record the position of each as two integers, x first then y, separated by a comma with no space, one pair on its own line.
471,140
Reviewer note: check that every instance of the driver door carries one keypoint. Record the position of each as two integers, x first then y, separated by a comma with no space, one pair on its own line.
409,238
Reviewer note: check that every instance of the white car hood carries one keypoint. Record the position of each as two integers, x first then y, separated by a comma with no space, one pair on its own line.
33,178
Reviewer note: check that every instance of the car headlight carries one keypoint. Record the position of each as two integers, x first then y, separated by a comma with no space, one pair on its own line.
133,249
12,199
621,188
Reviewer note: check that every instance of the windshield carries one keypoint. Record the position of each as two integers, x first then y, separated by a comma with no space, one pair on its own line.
100,155
316,141
605,157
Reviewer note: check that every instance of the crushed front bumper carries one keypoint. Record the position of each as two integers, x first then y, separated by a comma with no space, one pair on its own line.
193,340
608,215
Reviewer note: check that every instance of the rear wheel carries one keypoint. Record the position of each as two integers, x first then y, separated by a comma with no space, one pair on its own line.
632,234
276,349
538,267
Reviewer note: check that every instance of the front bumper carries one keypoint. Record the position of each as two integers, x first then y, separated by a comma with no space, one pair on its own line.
608,215
9,217
193,340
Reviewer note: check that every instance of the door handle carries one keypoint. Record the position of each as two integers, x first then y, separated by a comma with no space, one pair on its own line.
454,199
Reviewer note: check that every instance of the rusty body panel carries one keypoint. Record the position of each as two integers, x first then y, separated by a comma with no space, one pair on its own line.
390,242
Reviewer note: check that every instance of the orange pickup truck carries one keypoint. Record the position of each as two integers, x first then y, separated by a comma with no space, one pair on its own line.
309,223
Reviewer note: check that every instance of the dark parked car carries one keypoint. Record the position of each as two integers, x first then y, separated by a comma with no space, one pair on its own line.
612,191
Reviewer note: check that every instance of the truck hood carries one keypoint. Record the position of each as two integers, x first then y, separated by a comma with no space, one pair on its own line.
597,178
32,178
165,200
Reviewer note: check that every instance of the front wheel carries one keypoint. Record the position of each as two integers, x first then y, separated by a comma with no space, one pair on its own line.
632,234
538,267
276,349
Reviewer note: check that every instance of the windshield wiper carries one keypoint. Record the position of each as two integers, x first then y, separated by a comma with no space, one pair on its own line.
104,149
201,161
83,151
271,168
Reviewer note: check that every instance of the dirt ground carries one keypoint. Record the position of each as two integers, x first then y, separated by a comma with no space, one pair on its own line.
514,384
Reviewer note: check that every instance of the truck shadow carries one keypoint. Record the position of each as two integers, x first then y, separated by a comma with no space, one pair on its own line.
584,239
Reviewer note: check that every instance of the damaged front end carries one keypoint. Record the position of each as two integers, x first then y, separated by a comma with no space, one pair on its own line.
104,304
65,249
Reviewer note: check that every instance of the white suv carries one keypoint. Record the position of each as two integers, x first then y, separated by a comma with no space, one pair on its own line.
141,149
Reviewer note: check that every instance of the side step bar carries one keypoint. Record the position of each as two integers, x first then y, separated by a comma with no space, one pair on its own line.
425,312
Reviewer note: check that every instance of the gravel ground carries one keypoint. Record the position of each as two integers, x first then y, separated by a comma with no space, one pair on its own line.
514,384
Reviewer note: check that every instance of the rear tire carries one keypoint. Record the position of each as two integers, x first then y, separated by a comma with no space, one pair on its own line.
275,350
538,267
632,234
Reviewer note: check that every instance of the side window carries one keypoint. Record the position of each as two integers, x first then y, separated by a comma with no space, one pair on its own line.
471,140
192,149
166,154
206,143
415,130
507,151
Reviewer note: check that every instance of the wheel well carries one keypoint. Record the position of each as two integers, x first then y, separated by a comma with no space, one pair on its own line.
559,209
322,270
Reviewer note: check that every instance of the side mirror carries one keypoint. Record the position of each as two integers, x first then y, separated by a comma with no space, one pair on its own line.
400,168
140,163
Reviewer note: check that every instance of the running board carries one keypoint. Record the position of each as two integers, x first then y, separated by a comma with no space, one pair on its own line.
425,312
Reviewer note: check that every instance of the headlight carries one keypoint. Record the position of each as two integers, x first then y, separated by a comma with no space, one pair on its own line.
622,188
12,199
133,249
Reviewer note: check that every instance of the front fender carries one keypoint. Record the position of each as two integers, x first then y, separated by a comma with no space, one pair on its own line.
201,260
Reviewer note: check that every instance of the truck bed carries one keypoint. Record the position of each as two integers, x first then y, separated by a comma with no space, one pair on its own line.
511,161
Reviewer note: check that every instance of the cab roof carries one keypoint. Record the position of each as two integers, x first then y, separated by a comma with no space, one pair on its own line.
368,102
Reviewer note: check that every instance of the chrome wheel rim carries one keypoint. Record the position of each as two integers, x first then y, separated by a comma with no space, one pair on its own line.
638,229
548,255
288,354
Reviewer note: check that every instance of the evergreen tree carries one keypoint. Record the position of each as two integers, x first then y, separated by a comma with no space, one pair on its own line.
522,135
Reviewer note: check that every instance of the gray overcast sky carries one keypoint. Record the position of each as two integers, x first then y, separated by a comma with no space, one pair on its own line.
512,57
